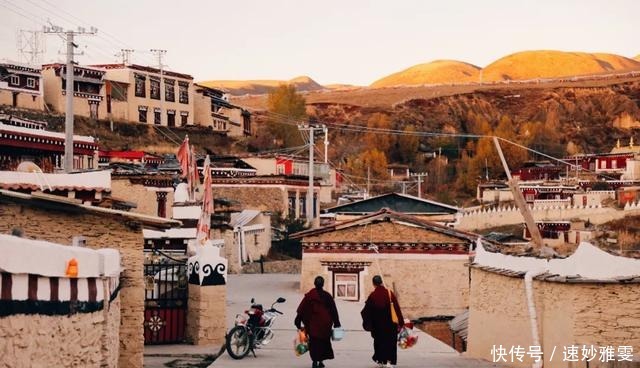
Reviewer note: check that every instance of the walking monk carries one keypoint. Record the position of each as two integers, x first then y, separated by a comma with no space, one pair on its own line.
383,323
318,313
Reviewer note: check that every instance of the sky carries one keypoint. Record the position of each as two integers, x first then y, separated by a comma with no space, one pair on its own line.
332,41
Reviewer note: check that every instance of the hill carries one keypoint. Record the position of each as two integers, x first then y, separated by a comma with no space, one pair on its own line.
637,57
258,87
550,64
435,72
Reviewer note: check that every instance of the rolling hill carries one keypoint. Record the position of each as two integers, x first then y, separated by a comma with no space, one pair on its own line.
257,87
435,72
550,64
637,57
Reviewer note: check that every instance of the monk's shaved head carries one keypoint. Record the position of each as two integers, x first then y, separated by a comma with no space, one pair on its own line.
377,280
318,282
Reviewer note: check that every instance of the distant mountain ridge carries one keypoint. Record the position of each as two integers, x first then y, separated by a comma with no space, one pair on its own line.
435,72
524,65
550,64
258,87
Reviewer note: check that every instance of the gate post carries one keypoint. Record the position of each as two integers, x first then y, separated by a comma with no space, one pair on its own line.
207,305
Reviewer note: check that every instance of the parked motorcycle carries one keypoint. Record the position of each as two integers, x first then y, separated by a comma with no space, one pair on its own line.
252,329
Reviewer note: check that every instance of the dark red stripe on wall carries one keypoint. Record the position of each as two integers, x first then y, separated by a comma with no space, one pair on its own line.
53,285
5,293
93,290
33,287
74,289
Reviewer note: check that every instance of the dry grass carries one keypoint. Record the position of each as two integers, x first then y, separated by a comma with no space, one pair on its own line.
389,96
637,57
241,87
550,64
435,72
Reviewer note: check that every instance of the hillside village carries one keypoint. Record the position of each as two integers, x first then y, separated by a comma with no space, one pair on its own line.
173,193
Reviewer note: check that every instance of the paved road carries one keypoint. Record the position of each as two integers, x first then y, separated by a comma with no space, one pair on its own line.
354,351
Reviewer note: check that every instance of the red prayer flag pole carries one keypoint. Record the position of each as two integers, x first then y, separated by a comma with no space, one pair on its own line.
194,178
204,223
183,157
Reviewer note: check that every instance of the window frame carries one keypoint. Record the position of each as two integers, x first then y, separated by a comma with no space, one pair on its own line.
355,283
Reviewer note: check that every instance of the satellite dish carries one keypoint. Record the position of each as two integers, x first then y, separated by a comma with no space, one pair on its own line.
29,167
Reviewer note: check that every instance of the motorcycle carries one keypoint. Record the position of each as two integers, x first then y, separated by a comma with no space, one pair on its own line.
252,329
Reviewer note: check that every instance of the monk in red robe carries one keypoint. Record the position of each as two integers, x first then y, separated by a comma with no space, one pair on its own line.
318,313
376,318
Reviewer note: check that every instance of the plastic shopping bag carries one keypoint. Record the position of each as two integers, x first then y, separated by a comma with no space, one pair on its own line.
301,343
407,337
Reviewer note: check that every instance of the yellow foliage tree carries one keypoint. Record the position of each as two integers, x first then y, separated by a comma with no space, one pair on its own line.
380,141
373,160
287,106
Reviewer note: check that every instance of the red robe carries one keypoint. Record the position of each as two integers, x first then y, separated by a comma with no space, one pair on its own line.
318,312
376,317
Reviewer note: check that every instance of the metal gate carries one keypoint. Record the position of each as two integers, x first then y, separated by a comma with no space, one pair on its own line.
165,306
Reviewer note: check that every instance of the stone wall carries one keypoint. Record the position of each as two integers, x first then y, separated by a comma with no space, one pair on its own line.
426,285
100,231
255,198
510,215
145,198
25,100
76,340
206,317
291,266
568,314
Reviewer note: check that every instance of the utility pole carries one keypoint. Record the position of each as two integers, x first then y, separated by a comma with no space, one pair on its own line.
326,144
160,53
69,36
420,176
125,54
31,45
519,199
309,208
368,181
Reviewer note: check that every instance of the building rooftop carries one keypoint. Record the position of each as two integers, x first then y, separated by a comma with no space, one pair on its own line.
397,202
99,181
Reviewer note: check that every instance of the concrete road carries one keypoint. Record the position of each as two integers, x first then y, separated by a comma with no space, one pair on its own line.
354,351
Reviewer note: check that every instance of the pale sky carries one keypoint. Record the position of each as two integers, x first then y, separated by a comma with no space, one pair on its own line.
332,41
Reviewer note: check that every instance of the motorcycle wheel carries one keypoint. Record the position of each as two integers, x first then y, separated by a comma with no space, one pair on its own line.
238,342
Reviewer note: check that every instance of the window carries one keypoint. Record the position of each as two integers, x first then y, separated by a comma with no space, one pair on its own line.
90,162
169,91
154,89
31,82
184,115
292,204
15,80
140,86
171,118
614,164
280,169
303,205
345,286
183,90
157,117
142,114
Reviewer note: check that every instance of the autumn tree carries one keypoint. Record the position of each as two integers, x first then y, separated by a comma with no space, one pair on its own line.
286,107
380,141
406,146
372,160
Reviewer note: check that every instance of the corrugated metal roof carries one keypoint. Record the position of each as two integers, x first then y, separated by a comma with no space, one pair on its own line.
460,324
243,218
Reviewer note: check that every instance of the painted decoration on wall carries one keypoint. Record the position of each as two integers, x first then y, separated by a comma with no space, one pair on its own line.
207,267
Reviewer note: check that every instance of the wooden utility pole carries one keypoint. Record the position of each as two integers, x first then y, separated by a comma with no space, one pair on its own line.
519,199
